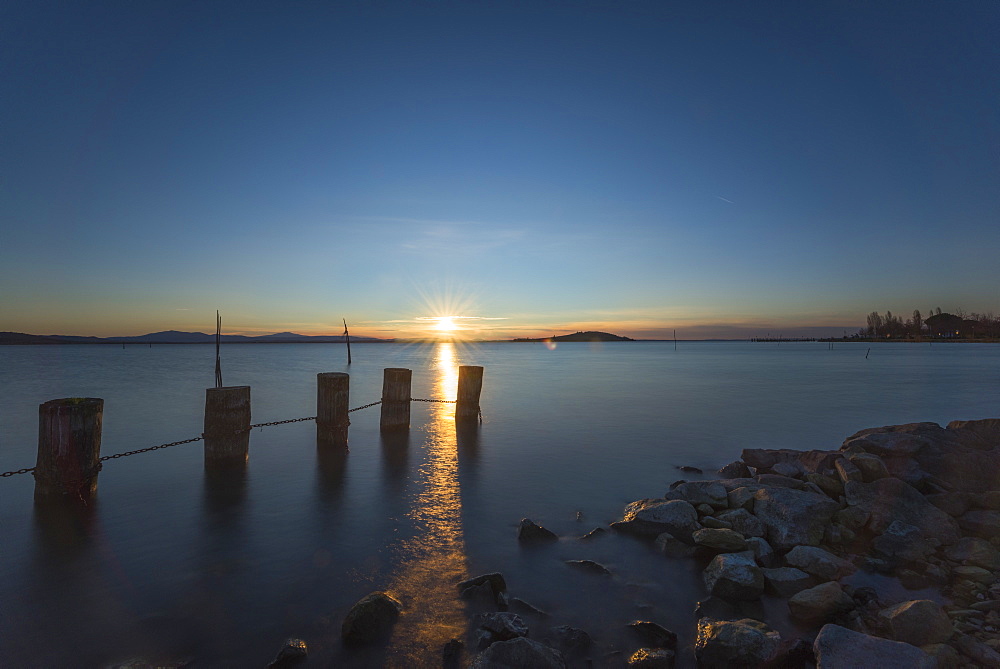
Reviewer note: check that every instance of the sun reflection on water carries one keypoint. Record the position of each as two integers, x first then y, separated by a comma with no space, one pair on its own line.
434,561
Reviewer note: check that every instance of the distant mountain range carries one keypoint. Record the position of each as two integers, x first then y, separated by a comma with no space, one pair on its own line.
175,337
581,336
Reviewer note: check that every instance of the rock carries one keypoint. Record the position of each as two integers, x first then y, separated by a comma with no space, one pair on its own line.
530,533
837,647
652,517
779,481
902,544
718,608
572,640
520,606
975,552
791,517
987,500
743,522
818,562
654,635
942,655
977,650
871,466
730,643
792,470
820,603
970,573
671,546
494,627
952,503
701,492
794,654
721,540
742,496
831,487
807,461
595,533
652,658
763,554
451,654
715,524
293,652
519,652
981,522
689,469
853,518
918,622
735,470
847,471
786,581
888,500
371,619
495,580
589,566
734,576
481,596
704,509
986,430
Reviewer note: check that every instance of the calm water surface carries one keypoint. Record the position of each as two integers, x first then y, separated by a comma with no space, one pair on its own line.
172,562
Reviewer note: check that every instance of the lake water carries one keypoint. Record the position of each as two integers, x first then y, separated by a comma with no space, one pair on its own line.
171,562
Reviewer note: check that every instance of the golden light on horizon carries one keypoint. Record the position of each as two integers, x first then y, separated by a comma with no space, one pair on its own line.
446,324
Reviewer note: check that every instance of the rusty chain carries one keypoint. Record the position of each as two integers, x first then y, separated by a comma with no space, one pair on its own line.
28,470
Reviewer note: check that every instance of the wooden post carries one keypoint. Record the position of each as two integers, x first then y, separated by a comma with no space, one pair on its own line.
332,397
227,425
69,447
396,399
470,385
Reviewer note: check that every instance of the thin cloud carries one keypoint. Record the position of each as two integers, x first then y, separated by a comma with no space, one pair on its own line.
725,199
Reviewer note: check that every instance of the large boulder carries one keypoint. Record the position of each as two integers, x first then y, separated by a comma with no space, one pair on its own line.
729,643
793,517
820,563
519,652
803,461
889,500
494,627
734,576
652,517
821,603
837,647
870,465
735,470
371,619
902,544
919,622
530,533
981,522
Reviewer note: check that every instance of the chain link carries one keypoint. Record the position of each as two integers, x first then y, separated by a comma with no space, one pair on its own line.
26,470
364,406
278,422
151,448
414,399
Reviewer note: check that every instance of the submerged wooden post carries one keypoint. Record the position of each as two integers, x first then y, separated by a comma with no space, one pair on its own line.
470,385
332,397
69,447
227,425
396,399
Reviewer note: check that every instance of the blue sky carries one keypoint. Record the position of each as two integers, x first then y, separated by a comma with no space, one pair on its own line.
725,169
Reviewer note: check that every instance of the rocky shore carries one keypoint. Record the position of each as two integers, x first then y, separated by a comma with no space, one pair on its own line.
916,503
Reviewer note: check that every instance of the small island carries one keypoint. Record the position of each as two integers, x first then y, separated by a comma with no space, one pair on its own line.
579,336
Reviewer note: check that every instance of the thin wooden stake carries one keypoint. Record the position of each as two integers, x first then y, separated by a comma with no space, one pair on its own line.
218,341
675,340
347,338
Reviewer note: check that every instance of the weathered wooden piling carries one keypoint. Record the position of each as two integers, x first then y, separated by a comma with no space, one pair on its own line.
69,448
396,399
332,397
470,385
227,425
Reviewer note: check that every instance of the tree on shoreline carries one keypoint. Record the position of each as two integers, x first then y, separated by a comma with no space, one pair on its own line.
939,325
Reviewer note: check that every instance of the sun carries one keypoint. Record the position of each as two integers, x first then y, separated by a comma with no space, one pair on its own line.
445,324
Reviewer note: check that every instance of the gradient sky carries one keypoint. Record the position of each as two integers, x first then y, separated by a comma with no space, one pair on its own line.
726,169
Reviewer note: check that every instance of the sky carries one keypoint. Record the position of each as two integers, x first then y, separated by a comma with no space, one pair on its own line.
722,169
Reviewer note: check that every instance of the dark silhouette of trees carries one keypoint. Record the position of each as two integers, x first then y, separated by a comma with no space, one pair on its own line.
938,325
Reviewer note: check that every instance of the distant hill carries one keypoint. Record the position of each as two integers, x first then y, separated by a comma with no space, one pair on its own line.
581,336
175,337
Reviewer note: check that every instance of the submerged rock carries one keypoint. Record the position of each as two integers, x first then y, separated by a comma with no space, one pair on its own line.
653,634
530,533
371,619
652,658
589,566
519,652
